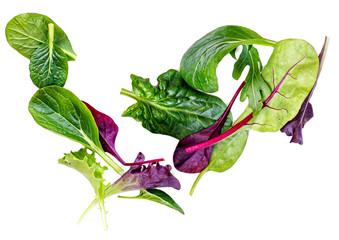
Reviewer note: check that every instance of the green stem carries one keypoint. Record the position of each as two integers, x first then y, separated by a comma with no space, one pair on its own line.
128,94
108,160
94,202
197,180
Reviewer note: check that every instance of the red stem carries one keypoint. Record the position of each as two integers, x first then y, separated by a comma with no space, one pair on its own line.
144,162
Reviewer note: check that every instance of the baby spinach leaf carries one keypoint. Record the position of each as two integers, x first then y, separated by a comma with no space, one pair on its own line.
60,111
255,87
48,65
26,32
198,65
294,127
157,196
172,107
87,165
224,155
291,72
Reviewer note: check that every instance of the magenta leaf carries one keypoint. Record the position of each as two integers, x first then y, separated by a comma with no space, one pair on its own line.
140,176
108,131
195,162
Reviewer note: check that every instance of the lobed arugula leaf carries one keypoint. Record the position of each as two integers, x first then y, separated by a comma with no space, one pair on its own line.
86,164
26,32
60,111
172,107
48,65
157,196
255,88
198,65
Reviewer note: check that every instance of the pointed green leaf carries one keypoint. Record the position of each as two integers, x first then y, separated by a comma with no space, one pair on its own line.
26,32
157,196
198,65
172,107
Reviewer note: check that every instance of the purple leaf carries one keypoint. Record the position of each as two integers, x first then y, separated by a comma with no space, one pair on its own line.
108,131
145,177
195,162
294,127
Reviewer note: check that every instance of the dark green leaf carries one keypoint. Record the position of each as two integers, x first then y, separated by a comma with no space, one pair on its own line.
60,111
198,65
48,66
157,196
255,87
26,32
172,107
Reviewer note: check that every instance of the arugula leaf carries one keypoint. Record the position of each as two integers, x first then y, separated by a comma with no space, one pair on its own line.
198,65
255,87
172,107
60,111
86,164
157,196
48,65
26,32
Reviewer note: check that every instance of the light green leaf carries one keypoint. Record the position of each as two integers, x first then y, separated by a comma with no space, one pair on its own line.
86,164
158,196
224,155
172,107
26,32
198,65
255,87
48,65
291,72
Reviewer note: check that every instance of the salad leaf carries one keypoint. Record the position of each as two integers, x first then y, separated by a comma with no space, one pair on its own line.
294,127
86,164
142,177
291,72
172,107
60,111
255,88
26,32
157,196
48,65
198,65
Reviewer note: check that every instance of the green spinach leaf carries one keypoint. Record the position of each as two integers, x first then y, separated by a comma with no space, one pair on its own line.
157,196
60,111
198,65
48,64
26,32
172,107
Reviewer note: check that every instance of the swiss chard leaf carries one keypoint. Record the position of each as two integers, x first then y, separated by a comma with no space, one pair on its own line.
26,32
198,65
86,164
255,88
172,107
157,196
294,127
60,111
48,65
291,72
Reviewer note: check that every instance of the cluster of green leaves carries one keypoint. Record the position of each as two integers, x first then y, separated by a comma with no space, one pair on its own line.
57,109
275,94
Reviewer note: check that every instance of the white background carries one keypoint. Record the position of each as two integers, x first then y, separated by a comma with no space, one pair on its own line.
276,190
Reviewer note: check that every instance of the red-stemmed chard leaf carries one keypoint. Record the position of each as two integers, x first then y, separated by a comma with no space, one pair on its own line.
294,127
291,72
140,176
108,131
195,162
